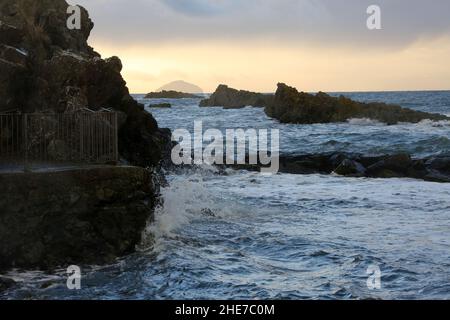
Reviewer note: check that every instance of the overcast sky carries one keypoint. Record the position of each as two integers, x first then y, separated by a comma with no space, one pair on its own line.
215,41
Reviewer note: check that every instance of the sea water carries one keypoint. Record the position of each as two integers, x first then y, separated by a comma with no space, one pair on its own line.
242,235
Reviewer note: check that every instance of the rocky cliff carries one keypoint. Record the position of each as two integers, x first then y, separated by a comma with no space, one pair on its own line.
291,106
230,98
44,66
73,216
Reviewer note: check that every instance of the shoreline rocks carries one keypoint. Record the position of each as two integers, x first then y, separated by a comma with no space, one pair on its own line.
230,98
45,67
435,169
291,106
83,216
171,95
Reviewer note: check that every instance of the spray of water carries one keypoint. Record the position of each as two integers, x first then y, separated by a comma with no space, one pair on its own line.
186,198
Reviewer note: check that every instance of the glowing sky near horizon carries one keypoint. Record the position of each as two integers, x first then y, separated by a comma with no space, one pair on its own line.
310,44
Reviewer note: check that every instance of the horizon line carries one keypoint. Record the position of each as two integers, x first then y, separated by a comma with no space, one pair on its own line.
341,91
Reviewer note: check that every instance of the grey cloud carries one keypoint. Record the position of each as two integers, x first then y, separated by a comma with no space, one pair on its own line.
325,22
203,7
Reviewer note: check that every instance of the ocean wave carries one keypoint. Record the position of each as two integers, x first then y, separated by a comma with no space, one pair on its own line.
426,122
365,122
434,124
186,198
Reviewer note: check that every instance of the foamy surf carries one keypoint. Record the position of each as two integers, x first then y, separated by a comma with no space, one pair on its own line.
364,122
185,199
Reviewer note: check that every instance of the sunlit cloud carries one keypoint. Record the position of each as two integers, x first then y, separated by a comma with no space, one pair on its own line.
253,44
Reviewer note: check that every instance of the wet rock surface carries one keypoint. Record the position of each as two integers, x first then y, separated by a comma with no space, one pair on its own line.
79,216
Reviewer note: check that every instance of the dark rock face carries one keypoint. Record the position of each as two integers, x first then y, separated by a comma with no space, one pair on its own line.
171,95
84,216
396,165
234,99
44,66
291,106
350,168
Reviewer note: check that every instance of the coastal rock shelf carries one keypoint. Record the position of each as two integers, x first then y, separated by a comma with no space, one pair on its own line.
77,216
435,169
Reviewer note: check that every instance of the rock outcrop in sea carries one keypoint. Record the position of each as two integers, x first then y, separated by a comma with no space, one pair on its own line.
230,98
44,66
171,95
291,106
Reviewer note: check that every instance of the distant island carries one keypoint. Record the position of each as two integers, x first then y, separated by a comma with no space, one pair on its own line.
181,86
171,95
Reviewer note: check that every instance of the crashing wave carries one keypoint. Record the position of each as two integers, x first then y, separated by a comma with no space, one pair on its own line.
365,122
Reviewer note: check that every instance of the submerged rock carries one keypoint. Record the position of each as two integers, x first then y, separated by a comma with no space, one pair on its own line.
160,106
291,106
171,95
230,98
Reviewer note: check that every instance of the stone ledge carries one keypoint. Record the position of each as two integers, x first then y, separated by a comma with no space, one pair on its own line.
78,216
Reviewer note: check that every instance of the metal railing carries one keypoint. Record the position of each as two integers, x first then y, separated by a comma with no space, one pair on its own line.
90,138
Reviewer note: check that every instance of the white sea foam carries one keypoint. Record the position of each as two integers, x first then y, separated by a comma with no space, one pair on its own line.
434,124
185,199
365,122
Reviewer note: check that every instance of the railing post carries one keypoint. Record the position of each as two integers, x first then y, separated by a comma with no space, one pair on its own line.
25,138
81,137
116,138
